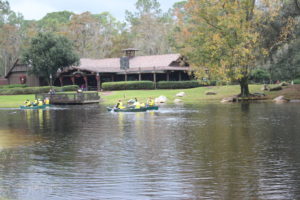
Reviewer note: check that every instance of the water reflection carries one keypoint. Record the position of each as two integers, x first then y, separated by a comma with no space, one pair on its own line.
206,151
16,138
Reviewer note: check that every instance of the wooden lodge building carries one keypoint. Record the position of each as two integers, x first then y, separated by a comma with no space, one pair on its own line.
91,73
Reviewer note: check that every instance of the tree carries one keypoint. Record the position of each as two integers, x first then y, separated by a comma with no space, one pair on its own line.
221,36
283,61
48,53
150,28
10,36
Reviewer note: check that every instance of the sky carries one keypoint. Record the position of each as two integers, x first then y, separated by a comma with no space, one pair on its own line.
37,9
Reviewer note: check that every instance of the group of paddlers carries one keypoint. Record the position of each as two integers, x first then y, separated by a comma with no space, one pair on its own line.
37,102
134,103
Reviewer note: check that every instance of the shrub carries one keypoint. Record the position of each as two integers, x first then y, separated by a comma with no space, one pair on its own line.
128,85
297,81
68,88
178,84
13,86
36,90
260,75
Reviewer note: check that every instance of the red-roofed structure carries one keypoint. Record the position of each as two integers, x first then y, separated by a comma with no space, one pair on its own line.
93,72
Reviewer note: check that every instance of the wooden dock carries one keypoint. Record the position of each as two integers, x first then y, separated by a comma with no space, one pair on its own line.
71,98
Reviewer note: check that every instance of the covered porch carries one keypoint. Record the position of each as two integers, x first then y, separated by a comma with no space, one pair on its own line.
93,80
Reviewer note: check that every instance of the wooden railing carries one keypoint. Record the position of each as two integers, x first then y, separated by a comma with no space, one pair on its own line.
71,98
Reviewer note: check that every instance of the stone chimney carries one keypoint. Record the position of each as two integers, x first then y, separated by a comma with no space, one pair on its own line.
130,52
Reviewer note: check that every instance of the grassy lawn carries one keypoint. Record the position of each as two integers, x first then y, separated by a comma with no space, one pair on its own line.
193,95
14,101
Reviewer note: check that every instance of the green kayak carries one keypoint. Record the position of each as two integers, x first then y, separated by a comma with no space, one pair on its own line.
35,107
127,109
152,107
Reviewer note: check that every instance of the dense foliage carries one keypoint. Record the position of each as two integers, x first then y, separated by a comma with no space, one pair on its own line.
48,53
128,85
178,84
36,90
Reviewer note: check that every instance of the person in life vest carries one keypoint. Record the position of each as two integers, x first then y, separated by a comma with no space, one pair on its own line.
120,105
27,103
35,102
46,101
137,104
40,102
150,102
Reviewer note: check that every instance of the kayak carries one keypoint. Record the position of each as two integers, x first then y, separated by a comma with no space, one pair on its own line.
35,107
152,107
144,109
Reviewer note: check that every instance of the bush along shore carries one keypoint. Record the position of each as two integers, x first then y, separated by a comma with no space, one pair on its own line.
148,85
23,89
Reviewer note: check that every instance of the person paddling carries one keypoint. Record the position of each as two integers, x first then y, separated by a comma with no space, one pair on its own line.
150,102
120,105
27,103
137,104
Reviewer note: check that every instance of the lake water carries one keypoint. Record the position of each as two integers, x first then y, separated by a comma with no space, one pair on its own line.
206,151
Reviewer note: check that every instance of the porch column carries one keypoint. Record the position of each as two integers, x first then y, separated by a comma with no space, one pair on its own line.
98,81
85,82
168,76
179,76
140,75
112,77
154,77
125,75
73,80
61,81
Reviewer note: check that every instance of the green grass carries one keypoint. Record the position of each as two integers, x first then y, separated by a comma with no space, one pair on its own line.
14,101
193,95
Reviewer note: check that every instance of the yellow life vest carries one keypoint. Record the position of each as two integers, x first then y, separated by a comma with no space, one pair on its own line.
120,105
40,103
151,102
143,105
137,105
47,101
27,103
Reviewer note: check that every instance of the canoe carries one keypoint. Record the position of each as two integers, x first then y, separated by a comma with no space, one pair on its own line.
35,107
152,107
144,109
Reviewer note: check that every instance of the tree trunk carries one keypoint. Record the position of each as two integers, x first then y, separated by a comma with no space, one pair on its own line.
244,87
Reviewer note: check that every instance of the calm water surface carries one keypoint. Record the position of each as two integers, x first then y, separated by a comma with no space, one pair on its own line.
206,151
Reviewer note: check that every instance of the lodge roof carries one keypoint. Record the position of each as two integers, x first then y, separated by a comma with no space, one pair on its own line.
143,63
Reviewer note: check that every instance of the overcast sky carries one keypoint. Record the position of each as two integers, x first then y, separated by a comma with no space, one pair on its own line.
37,9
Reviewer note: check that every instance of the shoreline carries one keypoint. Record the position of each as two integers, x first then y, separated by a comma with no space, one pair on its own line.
192,96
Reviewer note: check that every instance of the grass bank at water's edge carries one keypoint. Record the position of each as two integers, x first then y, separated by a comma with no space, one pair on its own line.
194,95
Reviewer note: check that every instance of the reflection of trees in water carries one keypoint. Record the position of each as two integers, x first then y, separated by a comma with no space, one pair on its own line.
52,130
233,153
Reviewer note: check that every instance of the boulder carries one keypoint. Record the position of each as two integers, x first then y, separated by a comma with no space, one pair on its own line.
258,94
227,99
161,99
265,88
281,99
284,84
276,88
180,94
178,101
210,93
